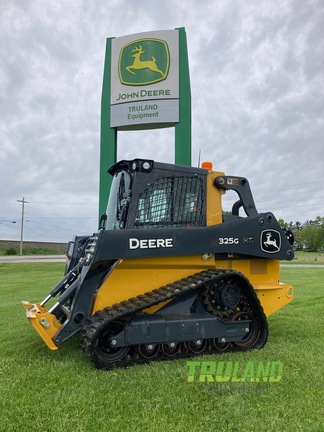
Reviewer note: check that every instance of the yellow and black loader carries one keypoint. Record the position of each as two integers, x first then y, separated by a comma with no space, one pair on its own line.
168,275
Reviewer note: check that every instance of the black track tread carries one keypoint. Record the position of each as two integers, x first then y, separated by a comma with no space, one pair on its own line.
127,308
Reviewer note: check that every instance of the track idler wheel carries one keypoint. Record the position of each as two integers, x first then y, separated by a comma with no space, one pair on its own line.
148,351
171,349
219,346
253,333
197,346
105,351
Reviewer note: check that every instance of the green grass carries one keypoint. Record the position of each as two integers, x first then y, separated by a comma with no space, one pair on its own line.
307,258
62,391
32,250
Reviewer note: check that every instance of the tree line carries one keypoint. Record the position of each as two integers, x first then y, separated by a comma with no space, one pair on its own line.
309,236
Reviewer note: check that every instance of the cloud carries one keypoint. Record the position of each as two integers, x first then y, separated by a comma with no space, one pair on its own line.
257,102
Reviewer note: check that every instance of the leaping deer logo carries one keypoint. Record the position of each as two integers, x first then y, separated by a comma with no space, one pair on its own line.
270,241
138,64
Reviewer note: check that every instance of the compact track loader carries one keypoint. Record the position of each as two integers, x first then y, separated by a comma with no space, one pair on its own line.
168,275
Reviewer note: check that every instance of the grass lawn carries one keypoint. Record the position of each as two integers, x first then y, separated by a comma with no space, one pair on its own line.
32,250
62,391
307,258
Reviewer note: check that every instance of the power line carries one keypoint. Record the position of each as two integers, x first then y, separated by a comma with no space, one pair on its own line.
51,226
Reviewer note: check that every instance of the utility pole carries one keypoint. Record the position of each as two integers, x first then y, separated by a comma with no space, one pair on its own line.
22,222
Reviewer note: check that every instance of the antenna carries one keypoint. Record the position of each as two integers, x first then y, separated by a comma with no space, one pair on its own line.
199,158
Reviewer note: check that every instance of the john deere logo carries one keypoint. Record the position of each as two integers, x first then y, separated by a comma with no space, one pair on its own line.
144,62
270,241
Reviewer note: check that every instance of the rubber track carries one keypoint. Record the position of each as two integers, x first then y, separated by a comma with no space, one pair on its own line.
127,308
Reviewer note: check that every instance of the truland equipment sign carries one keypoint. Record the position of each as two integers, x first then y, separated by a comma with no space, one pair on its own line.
145,80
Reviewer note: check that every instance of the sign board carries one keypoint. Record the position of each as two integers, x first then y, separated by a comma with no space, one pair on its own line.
144,90
146,85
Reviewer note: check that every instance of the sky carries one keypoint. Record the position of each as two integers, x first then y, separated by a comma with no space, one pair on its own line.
257,94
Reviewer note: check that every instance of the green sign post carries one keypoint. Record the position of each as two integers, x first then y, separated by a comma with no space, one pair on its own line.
108,135
183,128
146,85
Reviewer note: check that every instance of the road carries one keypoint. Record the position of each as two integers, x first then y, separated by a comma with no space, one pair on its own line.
62,258
32,258
301,265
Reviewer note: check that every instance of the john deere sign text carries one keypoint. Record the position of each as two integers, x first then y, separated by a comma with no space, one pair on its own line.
145,80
